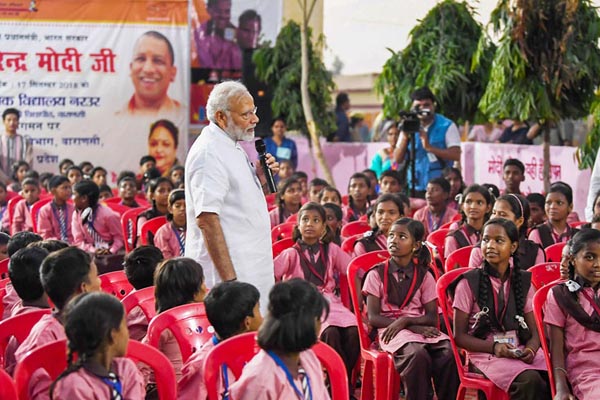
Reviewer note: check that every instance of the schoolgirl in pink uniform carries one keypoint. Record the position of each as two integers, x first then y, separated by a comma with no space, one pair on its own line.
571,312
322,263
170,238
387,209
475,205
30,190
288,200
157,193
402,305
285,367
96,330
54,219
359,188
559,204
329,194
493,317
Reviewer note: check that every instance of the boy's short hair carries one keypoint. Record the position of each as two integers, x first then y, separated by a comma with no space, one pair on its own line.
515,163
30,181
536,198
62,272
56,181
24,272
9,111
127,179
147,158
125,174
50,245
228,304
318,182
140,265
441,182
20,240
392,174
299,175
4,238
104,188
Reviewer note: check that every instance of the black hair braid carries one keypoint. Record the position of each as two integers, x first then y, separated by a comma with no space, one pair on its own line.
483,324
572,277
71,367
517,284
281,208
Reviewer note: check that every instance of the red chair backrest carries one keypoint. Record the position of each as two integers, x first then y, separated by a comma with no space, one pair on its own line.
363,218
348,243
3,283
281,245
115,200
459,258
143,298
189,325
539,299
18,327
542,274
35,210
577,224
282,231
152,226
271,198
2,294
554,252
10,206
354,228
115,283
438,239
292,218
7,387
129,226
446,225
345,200
236,351
52,358
118,208
4,268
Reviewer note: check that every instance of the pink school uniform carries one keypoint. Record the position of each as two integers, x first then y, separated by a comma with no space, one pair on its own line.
287,265
137,324
277,218
461,235
263,379
191,385
170,240
22,217
106,227
47,329
432,223
10,300
529,254
86,383
367,243
582,346
55,222
169,347
501,371
553,237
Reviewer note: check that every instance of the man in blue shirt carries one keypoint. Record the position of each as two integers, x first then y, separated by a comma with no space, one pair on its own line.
342,105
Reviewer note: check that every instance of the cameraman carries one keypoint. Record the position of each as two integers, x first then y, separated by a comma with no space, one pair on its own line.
437,146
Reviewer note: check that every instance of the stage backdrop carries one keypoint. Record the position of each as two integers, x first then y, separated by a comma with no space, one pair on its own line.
89,81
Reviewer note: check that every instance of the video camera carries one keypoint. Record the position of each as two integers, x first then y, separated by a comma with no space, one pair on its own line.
410,121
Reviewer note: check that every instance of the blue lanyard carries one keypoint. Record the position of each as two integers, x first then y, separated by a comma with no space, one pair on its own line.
225,377
289,377
434,227
181,244
114,385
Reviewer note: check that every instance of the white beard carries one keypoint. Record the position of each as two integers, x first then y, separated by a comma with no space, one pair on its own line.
240,134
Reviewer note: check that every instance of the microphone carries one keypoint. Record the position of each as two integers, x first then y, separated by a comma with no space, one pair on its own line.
261,149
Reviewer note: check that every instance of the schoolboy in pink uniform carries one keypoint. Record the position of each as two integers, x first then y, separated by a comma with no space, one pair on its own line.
139,268
54,219
359,199
96,228
170,238
493,317
401,301
570,312
436,213
387,209
232,308
290,329
22,217
96,330
475,205
319,261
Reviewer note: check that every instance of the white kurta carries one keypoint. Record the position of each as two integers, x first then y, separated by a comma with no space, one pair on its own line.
220,179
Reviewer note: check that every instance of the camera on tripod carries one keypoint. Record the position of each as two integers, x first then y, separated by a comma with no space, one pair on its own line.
410,121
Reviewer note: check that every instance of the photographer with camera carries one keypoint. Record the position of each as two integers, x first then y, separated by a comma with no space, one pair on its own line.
436,147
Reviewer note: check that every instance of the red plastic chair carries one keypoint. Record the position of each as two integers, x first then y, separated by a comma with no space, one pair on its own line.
115,283
143,298
3,283
446,225
354,228
2,294
363,218
282,231
7,387
577,224
118,208
129,226
554,252
542,274
151,226
4,268
459,258
52,358
345,200
35,210
281,245
189,325
10,207
348,243
380,379
18,327
114,200
438,240
539,299
468,380
236,351
271,198
292,218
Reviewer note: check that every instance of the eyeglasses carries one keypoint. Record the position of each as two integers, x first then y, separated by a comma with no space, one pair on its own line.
246,115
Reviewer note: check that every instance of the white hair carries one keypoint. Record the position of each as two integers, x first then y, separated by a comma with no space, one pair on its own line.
219,97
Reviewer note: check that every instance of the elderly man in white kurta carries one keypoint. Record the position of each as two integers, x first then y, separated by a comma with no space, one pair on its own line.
228,229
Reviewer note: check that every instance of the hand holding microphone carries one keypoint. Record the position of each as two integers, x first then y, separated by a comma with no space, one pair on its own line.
268,163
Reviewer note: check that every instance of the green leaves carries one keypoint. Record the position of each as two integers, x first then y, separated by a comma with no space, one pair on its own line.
280,67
